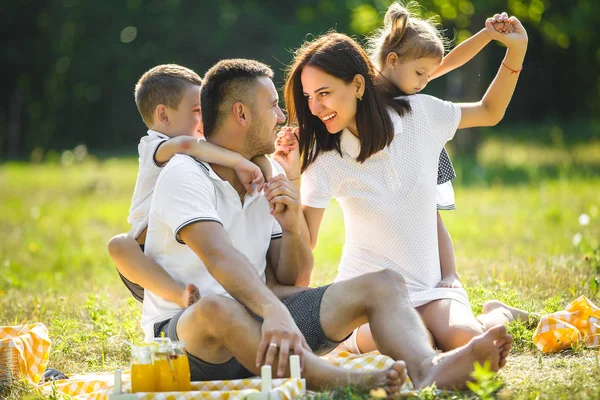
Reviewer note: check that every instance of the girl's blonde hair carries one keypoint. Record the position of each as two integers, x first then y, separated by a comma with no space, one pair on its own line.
407,35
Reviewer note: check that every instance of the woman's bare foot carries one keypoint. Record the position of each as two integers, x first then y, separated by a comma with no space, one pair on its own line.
390,379
453,369
511,313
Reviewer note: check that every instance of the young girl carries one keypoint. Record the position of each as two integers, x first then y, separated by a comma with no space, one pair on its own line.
380,167
408,52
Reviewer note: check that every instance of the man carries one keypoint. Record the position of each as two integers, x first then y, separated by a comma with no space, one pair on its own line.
204,229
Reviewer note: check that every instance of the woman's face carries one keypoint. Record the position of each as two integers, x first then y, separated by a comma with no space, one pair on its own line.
331,99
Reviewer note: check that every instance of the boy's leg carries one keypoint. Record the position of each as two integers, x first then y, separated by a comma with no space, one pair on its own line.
215,329
381,299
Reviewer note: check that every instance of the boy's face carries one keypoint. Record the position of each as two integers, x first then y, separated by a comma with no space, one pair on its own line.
187,119
412,76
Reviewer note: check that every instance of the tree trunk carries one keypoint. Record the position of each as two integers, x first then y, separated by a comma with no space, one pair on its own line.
14,125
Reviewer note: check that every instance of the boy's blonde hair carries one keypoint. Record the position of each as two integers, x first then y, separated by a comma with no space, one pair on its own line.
163,84
407,35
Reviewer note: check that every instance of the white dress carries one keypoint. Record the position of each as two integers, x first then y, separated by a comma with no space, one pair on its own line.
389,201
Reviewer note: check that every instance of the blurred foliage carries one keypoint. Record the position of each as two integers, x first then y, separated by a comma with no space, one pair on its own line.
71,65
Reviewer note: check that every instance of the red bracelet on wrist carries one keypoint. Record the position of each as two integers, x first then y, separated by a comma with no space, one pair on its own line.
513,71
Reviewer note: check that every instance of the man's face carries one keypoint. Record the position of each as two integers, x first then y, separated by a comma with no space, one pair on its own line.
266,116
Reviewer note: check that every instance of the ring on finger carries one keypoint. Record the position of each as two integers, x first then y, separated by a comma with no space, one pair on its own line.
273,345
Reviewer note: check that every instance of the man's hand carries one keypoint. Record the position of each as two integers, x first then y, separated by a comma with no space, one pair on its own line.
250,175
279,335
451,281
284,201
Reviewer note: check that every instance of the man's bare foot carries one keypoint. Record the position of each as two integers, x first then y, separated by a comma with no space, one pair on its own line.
190,295
505,346
453,369
515,314
390,379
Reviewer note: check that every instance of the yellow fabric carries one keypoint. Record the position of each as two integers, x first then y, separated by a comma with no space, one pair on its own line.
32,344
579,322
341,357
99,386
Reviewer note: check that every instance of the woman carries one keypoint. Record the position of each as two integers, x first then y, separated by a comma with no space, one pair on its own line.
378,157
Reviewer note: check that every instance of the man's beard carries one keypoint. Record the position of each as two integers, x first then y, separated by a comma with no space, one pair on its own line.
258,142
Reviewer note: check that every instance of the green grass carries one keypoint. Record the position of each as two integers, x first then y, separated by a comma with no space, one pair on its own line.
514,241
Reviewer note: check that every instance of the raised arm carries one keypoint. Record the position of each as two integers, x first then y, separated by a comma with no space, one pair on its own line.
249,173
490,110
287,154
463,53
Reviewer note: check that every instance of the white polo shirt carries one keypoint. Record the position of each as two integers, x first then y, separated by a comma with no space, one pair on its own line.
389,201
189,191
146,179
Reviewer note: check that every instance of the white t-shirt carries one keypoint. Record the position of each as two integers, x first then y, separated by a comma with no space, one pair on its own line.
146,179
189,191
389,201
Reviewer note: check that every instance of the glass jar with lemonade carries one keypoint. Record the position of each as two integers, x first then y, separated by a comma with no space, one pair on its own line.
181,366
142,371
164,371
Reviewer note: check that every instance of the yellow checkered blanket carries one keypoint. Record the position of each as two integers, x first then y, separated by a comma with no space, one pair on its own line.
580,322
32,344
99,386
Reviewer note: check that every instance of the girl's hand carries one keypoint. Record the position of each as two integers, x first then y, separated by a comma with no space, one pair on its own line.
450,282
501,24
517,38
287,151
250,175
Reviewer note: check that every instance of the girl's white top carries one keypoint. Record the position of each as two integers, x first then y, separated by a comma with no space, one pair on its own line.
389,201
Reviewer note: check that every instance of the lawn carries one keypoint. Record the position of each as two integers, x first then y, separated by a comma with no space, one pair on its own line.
519,240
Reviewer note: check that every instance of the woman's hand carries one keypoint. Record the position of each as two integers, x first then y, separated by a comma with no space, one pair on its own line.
287,151
451,281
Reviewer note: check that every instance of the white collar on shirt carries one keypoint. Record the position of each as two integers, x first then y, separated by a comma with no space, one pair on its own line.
213,175
351,144
152,132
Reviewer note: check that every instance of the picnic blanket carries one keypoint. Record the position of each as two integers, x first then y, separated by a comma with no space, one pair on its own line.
99,386
32,345
580,322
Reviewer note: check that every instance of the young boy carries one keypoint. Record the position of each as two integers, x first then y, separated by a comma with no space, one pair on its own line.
168,99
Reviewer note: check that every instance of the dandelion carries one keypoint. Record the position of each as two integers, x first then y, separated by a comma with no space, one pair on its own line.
577,239
584,219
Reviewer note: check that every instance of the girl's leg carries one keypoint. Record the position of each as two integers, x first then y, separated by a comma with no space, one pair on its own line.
496,313
451,323
365,342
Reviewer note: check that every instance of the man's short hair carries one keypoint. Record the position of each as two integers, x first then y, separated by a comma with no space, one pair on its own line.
163,84
227,82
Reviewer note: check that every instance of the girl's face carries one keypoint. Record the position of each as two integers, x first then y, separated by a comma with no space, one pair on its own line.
331,99
412,76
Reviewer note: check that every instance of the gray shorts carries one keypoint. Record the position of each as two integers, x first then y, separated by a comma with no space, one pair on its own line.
305,308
